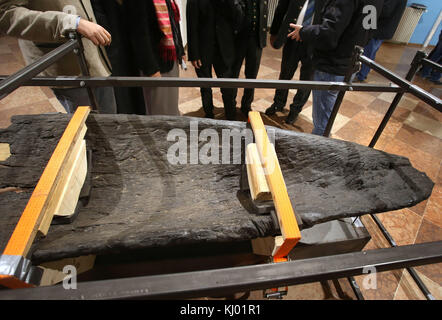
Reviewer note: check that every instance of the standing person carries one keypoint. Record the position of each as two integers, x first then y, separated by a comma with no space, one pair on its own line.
110,15
333,41
43,25
156,40
249,44
301,12
436,56
211,26
389,19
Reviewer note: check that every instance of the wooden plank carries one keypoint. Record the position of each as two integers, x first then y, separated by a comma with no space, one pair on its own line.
259,189
286,215
26,228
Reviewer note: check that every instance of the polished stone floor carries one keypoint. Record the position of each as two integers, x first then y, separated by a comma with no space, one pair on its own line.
415,131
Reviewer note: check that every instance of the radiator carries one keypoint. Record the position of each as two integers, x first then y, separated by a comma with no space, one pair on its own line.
272,8
406,26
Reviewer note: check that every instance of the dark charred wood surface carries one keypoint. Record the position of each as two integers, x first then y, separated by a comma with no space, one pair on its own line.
140,200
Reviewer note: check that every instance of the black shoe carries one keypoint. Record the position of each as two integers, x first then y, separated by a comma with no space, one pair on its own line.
273,109
291,118
210,115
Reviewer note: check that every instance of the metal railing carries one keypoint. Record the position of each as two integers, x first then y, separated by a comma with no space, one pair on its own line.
396,257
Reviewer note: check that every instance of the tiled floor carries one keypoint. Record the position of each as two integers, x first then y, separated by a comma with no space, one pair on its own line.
415,131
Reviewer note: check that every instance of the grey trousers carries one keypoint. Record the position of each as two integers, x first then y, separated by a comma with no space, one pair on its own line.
163,100
71,98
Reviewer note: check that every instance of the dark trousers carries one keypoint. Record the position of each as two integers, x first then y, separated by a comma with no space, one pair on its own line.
248,50
221,71
293,53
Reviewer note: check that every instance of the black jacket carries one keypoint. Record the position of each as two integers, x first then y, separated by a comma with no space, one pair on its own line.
391,15
340,30
213,24
262,22
145,35
287,12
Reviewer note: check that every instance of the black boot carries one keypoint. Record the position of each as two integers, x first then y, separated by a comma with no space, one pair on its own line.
293,115
273,109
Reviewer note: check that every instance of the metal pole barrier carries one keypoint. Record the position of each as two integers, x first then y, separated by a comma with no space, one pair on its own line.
410,75
356,289
84,69
419,57
14,81
432,64
204,83
408,87
432,31
355,65
410,270
239,279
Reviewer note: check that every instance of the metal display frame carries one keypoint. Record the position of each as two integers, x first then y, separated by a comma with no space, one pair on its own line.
237,279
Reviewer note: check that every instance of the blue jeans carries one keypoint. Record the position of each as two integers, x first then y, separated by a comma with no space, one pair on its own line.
436,56
370,51
323,101
71,98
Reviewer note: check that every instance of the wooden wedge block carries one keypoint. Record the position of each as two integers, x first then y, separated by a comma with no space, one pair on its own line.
68,185
283,206
37,207
5,151
259,189
69,198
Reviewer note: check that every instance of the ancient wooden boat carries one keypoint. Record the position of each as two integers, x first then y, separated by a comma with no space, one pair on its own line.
142,199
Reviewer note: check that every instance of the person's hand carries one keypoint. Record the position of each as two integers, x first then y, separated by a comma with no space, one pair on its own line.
197,64
94,32
273,39
156,75
294,35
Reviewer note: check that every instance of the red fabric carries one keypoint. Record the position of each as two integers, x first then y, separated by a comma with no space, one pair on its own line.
167,45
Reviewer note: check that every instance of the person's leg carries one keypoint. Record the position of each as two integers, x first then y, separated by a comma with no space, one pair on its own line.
164,101
205,71
241,53
253,61
323,101
370,51
72,98
223,71
436,56
67,104
289,64
301,97
105,97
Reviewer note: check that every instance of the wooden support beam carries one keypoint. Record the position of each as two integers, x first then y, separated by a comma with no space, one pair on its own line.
26,228
284,210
